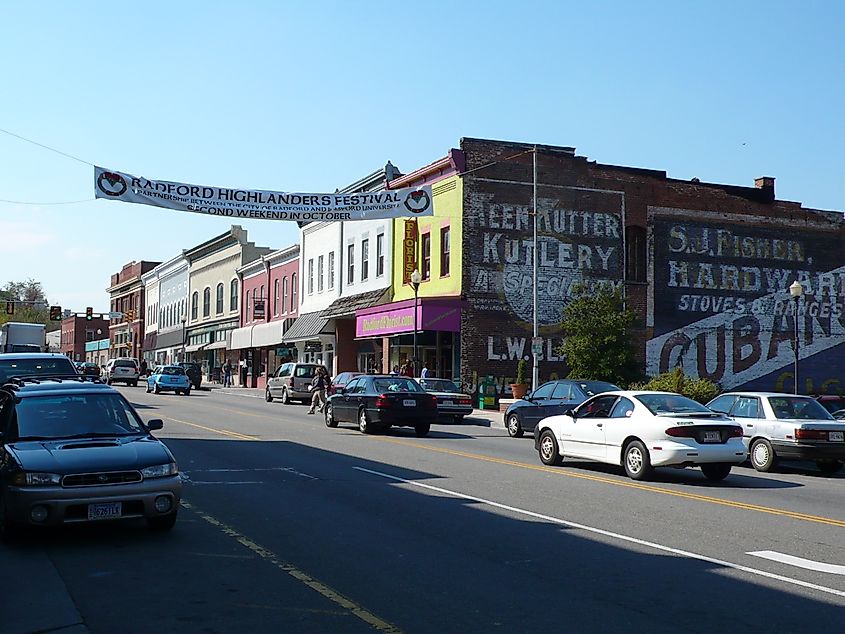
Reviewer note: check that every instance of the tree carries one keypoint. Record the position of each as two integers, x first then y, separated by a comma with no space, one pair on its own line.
597,342
701,390
34,311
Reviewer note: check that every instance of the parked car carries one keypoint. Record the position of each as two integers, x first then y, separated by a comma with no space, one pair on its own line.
785,427
341,380
19,364
833,403
290,382
378,402
89,369
123,370
554,397
74,450
194,372
451,402
643,430
169,377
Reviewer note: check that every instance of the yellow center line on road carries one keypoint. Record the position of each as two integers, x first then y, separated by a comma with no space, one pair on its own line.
622,483
329,593
225,432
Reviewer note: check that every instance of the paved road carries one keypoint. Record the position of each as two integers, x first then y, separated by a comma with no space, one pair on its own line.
290,526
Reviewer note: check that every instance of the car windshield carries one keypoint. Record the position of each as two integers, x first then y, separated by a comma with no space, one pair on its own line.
76,415
672,404
799,408
33,367
124,363
439,385
396,384
172,370
591,388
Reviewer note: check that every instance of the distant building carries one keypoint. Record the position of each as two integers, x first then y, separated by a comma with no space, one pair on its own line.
126,291
76,331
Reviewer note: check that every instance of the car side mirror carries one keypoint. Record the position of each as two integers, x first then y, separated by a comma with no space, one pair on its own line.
571,412
341,390
155,424
527,396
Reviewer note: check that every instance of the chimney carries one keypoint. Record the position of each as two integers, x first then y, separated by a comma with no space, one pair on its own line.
767,184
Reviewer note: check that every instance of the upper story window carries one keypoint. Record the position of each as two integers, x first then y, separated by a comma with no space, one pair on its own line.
220,298
233,295
350,264
310,276
320,274
248,307
426,256
380,255
365,259
194,301
331,270
294,291
445,250
635,253
276,297
206,302
285,294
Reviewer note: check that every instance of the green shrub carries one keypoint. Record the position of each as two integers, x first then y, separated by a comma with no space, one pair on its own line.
701,390
520,372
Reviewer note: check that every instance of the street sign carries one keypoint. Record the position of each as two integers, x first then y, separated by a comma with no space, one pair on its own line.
115,315
537,345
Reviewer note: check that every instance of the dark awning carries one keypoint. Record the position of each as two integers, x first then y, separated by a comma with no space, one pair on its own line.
346,306
307,326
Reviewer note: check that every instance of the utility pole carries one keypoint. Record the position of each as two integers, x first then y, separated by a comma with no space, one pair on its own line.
535,373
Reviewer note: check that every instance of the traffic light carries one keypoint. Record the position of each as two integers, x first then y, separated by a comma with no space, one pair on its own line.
10,308
89,313
130,315
55,313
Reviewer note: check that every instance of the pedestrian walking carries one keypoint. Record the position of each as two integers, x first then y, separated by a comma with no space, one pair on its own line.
243,371
143,371
318,390
227,373
427,372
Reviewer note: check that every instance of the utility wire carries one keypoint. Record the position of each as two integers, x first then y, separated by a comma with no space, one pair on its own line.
65,202
47,147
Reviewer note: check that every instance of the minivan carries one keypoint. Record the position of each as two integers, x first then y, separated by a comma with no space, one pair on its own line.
290,382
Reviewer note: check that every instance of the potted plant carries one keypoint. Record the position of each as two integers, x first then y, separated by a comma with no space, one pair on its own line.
520,387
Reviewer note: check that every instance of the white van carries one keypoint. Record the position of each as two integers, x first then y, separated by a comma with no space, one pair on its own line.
123,370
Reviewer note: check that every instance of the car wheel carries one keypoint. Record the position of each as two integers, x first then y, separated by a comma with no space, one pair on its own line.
364,422
330,421
829,467
549,451
267,396
285,396
514,426
422,430
716,471
163,523
763,457
459,418
637,461
134,383
156,389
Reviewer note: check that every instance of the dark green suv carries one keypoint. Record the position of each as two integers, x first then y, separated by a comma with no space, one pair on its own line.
193,371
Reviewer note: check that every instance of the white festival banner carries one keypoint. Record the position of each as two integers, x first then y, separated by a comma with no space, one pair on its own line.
260,204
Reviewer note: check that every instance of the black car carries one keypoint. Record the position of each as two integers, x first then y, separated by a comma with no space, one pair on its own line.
378,402
74,450
554,397
193,371
19,364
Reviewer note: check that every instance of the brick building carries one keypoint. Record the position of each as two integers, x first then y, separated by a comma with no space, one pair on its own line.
76,331
705,265
126,291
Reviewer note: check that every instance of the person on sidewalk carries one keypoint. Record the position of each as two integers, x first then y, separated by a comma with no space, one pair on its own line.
227,373
318,390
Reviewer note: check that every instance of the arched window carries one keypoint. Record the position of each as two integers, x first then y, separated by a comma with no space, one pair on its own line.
635,253
276,297
293,292
233,295
220,298
206,302
194,301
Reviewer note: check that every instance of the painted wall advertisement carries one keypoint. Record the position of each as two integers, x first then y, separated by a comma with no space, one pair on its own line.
722,309
580,238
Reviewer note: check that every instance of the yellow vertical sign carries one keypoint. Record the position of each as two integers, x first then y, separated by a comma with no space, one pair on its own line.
409,250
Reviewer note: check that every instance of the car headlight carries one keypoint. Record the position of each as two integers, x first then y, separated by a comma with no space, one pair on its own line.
160,470
36,479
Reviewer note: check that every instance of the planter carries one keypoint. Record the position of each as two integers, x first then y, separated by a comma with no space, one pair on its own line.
519,389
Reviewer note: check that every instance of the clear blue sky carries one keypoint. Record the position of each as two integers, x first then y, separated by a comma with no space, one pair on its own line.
310,96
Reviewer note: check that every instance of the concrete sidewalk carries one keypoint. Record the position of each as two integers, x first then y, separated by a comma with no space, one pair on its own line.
480,417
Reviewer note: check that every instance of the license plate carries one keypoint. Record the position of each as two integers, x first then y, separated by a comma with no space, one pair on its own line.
836,436
409,402
104,511
712,436
448,403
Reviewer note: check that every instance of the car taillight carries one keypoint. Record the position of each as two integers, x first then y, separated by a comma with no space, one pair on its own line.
810,434
734,432
433,400
464,401
681,432
290,381
382,400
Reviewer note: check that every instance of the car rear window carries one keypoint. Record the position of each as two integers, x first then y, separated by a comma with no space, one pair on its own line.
305,371
173,371
797,407
124,363
396,385
34,367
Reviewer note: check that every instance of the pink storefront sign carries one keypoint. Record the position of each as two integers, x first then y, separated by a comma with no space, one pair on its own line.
385,321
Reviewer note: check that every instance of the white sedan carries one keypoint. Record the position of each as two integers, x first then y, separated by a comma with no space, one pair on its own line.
643,430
